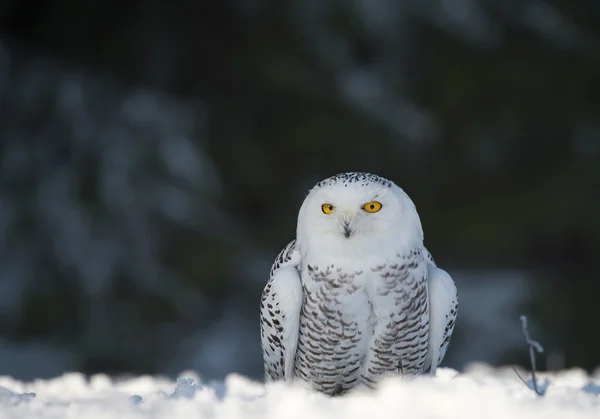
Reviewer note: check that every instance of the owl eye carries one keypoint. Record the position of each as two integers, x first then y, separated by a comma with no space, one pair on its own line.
372,206
327,208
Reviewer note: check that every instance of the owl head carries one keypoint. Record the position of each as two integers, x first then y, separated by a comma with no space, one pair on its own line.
356,213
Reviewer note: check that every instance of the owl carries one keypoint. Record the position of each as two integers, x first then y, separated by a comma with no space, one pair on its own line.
356,296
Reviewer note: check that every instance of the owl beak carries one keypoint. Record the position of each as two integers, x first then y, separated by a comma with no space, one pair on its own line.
347,229
346,222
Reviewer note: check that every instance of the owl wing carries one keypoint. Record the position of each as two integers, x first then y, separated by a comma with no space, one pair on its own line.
443,308
280,315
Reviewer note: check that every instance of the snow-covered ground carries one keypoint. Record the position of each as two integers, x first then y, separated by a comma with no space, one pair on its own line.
479,392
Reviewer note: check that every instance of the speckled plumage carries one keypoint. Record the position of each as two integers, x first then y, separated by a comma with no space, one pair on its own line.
348,301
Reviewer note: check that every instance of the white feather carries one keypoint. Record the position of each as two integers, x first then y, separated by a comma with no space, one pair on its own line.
289,288
442,300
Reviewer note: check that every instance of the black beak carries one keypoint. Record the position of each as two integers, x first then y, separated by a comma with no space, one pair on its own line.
347,230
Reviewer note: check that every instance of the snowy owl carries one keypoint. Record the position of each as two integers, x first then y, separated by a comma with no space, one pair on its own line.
356,296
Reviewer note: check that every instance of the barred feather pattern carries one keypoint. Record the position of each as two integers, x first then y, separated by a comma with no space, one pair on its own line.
401,338
358,326
328,357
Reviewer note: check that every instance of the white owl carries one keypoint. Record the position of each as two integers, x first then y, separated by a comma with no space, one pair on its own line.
356,296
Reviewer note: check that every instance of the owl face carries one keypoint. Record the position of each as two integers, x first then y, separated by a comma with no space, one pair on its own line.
348,213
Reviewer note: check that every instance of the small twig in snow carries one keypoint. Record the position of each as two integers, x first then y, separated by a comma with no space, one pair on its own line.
533,346
519,375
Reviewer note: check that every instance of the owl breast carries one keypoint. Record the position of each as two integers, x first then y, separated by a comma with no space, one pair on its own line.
358,325
336,326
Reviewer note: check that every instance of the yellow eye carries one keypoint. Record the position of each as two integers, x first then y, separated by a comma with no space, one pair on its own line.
372,206
327,208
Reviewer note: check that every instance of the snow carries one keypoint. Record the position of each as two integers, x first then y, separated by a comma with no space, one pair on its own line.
479,391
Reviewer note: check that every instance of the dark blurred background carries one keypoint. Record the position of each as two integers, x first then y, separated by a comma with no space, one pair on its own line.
154,155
